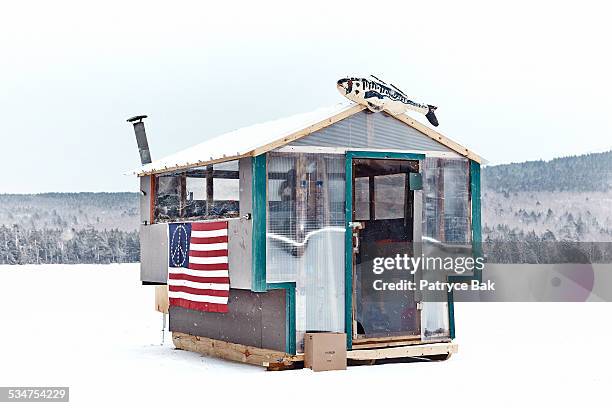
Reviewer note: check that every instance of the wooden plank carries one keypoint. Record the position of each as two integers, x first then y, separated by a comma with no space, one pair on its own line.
363,339
232,351
196,164
162,303
393,343
152,196
420,350
438,137
440,201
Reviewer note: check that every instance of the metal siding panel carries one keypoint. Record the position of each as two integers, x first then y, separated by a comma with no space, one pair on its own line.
253,319
274,321
385,132
240,253
145,199
154,253
245,168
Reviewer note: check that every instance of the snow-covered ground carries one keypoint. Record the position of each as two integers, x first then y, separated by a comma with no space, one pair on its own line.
93,328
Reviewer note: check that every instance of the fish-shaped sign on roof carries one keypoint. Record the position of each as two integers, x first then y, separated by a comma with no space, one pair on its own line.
378,95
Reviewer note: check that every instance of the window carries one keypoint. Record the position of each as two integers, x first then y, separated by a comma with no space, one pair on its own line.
208,192
389,191
362,198
167,199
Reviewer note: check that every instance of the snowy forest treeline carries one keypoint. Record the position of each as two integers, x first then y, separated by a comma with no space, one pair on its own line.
566,199
530,210
69,228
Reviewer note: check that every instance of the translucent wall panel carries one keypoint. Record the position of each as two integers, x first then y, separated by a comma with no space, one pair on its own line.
446,218
434,320
446,209
305,236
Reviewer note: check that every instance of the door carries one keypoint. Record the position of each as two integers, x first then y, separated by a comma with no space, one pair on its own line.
381,227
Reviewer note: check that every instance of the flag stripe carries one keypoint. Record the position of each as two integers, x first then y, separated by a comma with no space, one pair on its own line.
209,240
209,267
199,298
201,279
207,260
201,306
196,291
214,252
209,226
208,247
203,274
198,285
208,234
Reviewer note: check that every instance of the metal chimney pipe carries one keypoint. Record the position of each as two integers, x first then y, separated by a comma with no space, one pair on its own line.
141,138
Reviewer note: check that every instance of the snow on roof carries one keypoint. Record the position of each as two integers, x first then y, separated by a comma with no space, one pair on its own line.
262,137
243,141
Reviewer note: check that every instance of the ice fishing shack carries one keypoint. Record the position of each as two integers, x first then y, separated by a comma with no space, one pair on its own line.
265,233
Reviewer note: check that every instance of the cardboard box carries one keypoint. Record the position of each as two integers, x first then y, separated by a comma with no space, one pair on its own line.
325,351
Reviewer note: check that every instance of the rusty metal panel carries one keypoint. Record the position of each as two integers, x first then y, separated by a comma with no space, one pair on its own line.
253,319
145,200
154,253
365,130
240,252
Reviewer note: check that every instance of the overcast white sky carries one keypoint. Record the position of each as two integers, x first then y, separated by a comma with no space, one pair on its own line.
513,81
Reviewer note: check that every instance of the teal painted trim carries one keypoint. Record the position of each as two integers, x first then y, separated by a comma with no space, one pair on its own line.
476,214
348,234
348,252
258,272
259,184
451,315
383,155
289,288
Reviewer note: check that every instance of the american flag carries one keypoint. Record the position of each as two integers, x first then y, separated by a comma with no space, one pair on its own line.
198,275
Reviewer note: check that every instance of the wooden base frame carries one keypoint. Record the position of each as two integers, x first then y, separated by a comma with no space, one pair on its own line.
277,360
271,359
417,350
382,342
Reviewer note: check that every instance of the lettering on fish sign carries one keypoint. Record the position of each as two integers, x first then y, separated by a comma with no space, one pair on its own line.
378,95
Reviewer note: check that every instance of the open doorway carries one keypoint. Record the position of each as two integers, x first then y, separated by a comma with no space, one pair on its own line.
382,221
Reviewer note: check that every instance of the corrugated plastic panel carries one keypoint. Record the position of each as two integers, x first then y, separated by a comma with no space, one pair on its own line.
365,130
305,236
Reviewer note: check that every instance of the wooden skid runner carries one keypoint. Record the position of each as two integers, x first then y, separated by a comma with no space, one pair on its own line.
277,360
236,352
420,350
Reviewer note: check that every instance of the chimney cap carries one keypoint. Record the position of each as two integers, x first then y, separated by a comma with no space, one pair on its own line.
137,118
